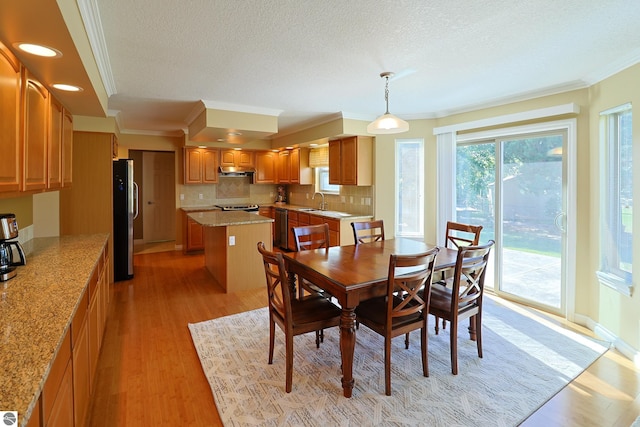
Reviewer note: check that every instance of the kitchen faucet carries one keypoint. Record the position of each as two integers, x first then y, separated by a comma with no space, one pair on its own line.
323,205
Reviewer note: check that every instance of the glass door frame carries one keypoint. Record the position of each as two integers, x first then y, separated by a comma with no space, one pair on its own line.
447,144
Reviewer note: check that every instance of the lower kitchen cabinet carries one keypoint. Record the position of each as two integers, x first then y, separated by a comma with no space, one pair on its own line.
57,393
193,234
68,388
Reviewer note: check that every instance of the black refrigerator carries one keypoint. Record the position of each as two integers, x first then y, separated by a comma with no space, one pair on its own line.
125,210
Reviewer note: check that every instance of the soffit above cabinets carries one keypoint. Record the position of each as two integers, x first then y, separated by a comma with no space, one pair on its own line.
233,127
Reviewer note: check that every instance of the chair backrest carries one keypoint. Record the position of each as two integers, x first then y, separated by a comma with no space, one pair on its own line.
408,275
368,231
278,291
311,237
468,279
459,234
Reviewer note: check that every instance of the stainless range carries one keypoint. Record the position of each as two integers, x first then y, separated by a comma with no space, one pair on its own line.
247,207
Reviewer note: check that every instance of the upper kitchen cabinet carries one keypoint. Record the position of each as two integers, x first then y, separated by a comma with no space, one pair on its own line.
237,158
284,167
9,125
293,167
56,113
300,173
67,148
351,161
35,100
266,167
200,165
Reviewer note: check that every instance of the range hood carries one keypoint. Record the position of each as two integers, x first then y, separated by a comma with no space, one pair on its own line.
230,171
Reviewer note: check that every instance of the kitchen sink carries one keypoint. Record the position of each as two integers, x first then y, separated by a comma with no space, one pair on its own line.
307,209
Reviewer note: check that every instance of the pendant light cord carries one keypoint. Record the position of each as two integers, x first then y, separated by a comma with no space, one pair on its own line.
386,93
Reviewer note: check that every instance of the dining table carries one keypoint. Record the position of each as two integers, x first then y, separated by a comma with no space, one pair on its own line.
352,274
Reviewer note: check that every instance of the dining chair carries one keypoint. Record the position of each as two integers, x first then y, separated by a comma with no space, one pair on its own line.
457,234
464,299
368,231
404,308
312,313
311,237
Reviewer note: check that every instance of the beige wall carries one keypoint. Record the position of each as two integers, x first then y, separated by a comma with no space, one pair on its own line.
610,311
615,312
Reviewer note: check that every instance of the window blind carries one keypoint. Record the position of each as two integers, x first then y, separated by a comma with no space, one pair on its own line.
319,157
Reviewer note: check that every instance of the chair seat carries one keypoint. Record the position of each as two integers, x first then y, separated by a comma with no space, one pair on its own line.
441,300
314,308
374,310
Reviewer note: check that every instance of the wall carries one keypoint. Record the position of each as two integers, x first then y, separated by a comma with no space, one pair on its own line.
614,312
602,308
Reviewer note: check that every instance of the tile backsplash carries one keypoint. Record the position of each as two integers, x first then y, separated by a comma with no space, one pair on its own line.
352,199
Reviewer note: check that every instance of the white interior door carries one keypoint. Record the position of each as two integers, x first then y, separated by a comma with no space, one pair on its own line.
158,196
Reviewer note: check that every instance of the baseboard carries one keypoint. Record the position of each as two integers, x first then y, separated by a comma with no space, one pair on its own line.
619,344
178,247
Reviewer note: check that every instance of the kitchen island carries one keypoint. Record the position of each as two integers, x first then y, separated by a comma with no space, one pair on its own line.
230,252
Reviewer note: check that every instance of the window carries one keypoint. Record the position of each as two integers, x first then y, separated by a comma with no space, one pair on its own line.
616,199
410,188
322,181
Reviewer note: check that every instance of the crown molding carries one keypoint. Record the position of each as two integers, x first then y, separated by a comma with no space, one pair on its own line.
93,26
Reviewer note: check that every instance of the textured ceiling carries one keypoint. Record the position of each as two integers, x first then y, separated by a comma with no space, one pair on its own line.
307,60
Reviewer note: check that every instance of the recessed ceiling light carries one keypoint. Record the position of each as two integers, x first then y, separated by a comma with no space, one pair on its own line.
289,148
202,146
237,148
234,134
67,88
221,140
313,145
39,50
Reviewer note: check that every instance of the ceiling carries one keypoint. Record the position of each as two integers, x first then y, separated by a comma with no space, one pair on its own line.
157,63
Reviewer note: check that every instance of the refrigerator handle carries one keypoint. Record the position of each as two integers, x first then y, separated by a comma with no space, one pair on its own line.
135,195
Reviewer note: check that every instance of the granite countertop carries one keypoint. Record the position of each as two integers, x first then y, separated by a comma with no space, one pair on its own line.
220,218
318,212
36,308
306,209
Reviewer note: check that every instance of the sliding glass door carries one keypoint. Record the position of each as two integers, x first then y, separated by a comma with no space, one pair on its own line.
515,187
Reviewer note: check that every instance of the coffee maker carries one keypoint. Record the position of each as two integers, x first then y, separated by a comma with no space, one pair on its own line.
8,247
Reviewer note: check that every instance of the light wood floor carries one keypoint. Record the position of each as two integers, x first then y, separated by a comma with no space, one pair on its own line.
149,374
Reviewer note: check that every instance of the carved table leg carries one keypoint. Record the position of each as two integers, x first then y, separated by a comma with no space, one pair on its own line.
347,347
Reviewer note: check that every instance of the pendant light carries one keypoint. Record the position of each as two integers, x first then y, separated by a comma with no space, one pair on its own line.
387,123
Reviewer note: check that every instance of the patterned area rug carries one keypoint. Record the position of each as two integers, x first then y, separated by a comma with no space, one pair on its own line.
526,361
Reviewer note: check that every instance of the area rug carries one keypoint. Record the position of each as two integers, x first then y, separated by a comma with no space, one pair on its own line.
526,361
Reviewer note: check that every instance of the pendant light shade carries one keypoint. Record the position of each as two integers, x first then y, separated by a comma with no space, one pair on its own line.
387,123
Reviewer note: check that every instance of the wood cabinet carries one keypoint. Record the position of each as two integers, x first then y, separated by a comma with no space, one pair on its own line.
292,221
237,158
36,132
334,227
80,355
57,393
351,161
67,148
299,219
284,167
293,167
35,107
200,165
300,173
193,234
266,167
54,149
269,212
10,84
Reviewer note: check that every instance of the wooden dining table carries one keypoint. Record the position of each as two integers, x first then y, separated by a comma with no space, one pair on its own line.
352,274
